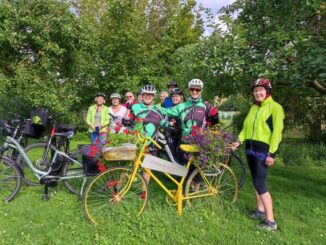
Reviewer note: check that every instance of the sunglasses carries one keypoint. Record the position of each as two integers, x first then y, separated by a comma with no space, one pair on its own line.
195,89
128,97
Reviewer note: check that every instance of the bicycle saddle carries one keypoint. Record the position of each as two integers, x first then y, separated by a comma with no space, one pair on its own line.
67,135
190,148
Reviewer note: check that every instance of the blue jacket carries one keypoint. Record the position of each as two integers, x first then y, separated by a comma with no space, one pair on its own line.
167,103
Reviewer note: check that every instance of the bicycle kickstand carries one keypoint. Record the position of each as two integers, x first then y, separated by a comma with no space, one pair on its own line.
46,195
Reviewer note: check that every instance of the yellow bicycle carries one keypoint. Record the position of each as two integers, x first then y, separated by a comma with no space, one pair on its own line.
122,190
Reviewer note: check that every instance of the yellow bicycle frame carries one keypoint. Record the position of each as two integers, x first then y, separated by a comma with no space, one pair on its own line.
178,197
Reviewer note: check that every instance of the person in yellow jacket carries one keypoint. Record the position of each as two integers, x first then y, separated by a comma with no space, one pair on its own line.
98,119
262,134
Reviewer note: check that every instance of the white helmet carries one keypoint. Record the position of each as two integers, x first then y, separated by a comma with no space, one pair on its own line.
115,95
195,83
148,89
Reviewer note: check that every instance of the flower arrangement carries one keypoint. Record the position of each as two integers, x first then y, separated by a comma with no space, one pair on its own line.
214,145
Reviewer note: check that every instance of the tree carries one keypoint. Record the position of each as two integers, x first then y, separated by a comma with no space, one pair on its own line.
39,45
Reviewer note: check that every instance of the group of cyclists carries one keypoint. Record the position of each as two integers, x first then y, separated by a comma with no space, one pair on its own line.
261,133
173,112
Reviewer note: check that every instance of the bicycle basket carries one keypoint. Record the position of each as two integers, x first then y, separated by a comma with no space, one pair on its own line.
126,152
39,117
32,131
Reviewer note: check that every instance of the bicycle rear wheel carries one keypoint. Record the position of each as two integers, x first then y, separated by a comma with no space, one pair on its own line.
237,166
111,196
72,169
35,152
10,181
220,184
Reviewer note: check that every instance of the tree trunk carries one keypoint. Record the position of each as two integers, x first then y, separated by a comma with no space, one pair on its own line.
315,130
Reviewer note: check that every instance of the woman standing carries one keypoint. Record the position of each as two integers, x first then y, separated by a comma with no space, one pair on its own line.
117,112
262,134
97,120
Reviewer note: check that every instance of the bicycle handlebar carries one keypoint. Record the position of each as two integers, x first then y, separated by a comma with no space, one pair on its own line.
141,137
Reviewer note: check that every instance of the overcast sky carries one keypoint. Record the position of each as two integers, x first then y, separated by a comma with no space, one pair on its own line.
215,5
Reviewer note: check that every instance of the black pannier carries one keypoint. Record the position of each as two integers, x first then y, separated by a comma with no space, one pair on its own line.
32,131
90,158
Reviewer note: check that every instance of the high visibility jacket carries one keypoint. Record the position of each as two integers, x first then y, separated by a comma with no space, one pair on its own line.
105,117
263,124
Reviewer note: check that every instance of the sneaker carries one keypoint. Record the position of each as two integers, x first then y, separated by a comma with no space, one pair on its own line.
257,214
268,225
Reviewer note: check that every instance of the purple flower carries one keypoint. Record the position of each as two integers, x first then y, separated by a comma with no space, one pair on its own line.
204,159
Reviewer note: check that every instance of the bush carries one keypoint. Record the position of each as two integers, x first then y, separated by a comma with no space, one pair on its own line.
303,154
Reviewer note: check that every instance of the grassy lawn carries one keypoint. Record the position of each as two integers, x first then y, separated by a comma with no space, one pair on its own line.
299,201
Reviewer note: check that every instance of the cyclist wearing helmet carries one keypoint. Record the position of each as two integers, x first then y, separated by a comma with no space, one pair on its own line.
173,132
168,100
194,112
177,96
117,112
147,118
145,115
98,119
262,134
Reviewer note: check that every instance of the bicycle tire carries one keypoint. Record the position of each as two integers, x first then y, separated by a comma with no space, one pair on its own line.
69,169
35,153
237,166
102,200
222,185
10,180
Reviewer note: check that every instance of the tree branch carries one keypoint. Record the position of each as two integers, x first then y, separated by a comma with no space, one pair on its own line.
319,86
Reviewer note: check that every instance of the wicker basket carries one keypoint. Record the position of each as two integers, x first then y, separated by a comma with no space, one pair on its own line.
126,152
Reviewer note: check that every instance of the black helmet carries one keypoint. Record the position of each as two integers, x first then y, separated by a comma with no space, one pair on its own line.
172,83
101,94
176,91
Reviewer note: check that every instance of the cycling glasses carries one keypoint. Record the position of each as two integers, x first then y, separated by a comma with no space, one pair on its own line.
195,89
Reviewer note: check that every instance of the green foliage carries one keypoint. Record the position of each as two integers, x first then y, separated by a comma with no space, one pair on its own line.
303,154
239,104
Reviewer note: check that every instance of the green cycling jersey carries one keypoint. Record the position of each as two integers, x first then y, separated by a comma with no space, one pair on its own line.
197,113
147,119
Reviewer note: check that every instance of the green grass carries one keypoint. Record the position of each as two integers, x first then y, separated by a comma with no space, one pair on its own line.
299,202
298,192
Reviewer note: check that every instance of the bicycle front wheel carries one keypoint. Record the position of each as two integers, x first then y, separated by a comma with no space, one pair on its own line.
76,172
113,195
10,181
218,182
36,154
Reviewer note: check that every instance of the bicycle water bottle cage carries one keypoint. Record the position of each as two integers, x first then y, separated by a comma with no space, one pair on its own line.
190,148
